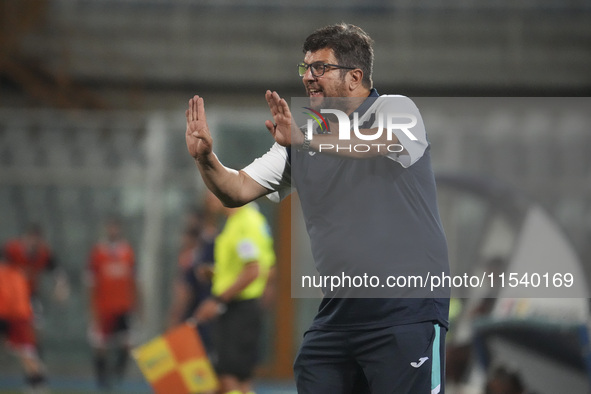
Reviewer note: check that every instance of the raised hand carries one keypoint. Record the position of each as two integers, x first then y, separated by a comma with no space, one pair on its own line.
281,128
198,137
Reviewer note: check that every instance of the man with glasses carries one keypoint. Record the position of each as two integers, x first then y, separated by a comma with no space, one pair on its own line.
371,210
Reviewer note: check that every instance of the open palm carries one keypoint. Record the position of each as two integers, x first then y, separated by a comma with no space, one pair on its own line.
197,136
281,128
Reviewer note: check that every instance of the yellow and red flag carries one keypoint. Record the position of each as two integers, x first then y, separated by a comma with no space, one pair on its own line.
176,363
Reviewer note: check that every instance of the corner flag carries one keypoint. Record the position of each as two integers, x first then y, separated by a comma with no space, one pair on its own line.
176,362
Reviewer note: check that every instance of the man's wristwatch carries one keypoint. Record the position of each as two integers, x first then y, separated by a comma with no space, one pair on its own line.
306,144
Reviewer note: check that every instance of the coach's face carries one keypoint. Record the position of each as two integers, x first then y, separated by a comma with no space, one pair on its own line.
330,84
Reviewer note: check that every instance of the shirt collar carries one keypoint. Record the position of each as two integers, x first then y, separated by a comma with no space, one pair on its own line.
373,94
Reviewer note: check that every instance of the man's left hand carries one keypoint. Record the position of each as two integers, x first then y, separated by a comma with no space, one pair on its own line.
282,128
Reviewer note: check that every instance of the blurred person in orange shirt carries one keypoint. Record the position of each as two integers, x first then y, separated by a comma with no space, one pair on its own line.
16,324
113,298
31,253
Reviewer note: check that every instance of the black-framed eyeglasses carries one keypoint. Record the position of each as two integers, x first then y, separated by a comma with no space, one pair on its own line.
318,68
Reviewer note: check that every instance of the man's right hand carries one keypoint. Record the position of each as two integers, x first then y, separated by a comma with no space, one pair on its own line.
198,137
233,188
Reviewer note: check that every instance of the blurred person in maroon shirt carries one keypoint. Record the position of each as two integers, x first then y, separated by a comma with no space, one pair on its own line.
31,253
